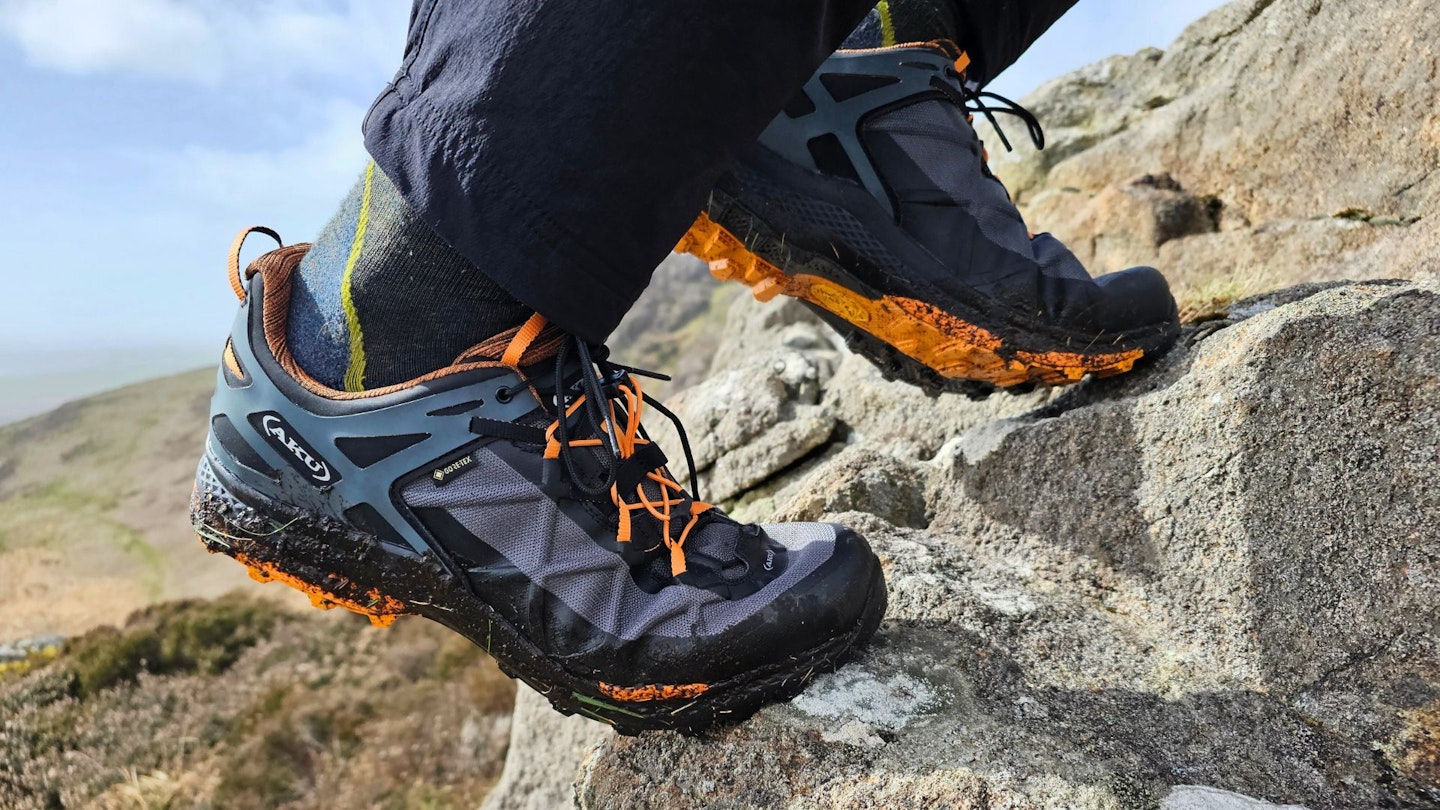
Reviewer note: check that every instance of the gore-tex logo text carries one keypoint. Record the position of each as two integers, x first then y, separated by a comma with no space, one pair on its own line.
443,474
300,455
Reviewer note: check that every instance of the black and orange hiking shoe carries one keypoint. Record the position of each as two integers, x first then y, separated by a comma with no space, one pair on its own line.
514,497
870,200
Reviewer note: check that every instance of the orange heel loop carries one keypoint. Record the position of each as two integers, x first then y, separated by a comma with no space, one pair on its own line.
237,284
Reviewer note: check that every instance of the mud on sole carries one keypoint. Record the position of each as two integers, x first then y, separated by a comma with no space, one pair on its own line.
339,567
907,339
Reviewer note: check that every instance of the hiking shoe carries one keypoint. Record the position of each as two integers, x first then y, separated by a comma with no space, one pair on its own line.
514,498
869,199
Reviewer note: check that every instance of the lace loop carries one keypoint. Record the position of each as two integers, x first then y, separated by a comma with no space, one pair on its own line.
974,100
610,402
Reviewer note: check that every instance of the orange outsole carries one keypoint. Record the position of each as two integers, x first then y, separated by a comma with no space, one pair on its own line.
953,348
380,609
659,691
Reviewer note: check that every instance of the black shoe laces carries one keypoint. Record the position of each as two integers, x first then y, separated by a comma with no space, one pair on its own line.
596,407
611,400
974,100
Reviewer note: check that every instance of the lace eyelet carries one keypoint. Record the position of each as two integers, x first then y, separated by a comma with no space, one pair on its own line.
504,395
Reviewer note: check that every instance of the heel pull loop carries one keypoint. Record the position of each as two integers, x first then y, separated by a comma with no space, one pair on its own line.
236,282
515,352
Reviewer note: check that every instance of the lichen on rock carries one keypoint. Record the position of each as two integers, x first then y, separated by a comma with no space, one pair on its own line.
1216,577
1213,583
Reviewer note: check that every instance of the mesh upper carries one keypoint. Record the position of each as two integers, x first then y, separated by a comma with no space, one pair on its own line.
511,515
824,217
928,152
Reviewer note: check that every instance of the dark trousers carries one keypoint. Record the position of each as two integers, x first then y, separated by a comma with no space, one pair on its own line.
564,146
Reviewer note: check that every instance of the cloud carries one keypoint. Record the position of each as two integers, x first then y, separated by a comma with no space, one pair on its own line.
295,185
156,37
207,42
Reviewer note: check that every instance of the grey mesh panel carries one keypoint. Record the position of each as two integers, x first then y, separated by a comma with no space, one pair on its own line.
719,541
508,513
935,133
941,145
790,137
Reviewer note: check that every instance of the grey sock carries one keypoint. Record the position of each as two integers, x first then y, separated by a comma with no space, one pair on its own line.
381,298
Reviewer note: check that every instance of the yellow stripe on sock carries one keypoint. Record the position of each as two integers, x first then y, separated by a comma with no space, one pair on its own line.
887,25
355,372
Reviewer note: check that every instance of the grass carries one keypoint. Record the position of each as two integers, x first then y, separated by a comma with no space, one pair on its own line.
182,638
157,790
240,704
1212,298
92,501
58,516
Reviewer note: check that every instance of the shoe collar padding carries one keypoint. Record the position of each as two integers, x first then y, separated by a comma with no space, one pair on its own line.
276,269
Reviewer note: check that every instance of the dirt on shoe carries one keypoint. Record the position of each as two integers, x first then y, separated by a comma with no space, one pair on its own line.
515,498
870,199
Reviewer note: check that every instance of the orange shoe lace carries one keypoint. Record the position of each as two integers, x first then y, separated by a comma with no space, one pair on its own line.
612,402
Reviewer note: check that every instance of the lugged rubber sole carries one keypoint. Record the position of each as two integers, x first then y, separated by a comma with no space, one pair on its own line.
907,338
337,566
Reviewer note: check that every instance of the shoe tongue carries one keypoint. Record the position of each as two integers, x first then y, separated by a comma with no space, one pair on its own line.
632,475
536,341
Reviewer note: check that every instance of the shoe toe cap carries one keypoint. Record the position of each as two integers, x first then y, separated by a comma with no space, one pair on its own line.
1136,298
844,585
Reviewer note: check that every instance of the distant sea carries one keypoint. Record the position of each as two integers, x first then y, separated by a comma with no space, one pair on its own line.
33,382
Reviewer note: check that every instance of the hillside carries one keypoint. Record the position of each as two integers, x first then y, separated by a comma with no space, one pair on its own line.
36,380
238,703
93,509
242,701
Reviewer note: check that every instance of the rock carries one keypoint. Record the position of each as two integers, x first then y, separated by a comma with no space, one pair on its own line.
869,700
783,386
1270,114
859,479
674,325
1215,580
544,777
770,452
752,420
902,420
1127,223
1191,797
1276,105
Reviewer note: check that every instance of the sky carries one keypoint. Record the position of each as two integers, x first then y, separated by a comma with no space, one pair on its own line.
137,136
